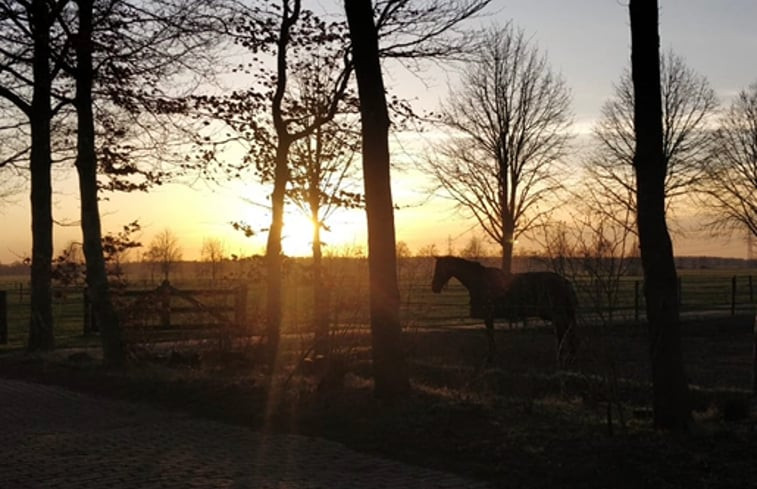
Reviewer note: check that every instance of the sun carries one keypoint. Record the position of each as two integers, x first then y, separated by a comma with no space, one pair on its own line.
297,236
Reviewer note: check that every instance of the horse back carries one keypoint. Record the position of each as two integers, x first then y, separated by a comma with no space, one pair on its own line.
537,294
488,291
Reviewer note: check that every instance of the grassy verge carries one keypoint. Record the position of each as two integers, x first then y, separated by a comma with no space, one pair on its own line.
520,423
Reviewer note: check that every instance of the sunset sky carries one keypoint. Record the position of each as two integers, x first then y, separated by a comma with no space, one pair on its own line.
588,42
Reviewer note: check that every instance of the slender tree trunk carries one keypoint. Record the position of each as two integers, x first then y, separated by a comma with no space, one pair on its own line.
389,369
41,324
507,247
86,165
321,290
274,258
671,396
507,204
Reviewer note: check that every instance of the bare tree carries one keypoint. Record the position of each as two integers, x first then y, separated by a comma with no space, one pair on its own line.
413,29
98,288
104,47
284,37
670,389
595,251
273,114
165,251
475,248
509,121
11,184
95,43
27,74
729,187
321,174
213,252
390,370
418,29
688,102
428,251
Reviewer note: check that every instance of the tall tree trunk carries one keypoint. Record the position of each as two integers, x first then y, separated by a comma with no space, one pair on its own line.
274,258
507,205
321,291
507,246
41,323
671,396
321,288
389,369
507,257
86,166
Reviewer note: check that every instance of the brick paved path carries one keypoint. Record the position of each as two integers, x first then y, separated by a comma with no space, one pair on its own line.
53,437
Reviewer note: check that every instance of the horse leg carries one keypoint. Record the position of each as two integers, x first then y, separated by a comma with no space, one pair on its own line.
491,346
566,340
570,340
559,326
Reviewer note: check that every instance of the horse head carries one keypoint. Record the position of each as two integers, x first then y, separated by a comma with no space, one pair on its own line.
442,274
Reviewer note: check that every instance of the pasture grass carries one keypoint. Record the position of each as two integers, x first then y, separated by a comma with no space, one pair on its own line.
703,292
520,422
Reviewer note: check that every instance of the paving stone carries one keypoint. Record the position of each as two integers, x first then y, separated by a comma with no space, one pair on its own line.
54,437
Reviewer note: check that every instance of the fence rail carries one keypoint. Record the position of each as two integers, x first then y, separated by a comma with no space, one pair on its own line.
700,294
163,307
697,295
167,301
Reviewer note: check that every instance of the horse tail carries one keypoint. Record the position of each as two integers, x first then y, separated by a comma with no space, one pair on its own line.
568,342
572,302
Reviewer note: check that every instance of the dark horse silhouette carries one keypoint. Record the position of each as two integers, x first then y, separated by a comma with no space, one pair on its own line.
497,295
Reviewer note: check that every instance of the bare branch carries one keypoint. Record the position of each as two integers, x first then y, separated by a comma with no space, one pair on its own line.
509,129
688,103
729,187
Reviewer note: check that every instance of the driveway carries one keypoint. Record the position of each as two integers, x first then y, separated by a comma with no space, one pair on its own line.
54,437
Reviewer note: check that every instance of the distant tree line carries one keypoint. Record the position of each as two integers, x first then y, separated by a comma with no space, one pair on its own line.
113,88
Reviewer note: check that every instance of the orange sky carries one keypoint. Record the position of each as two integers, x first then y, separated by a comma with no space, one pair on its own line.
588,43
204,211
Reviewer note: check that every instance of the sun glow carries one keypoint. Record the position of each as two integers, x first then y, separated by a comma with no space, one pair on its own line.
297,237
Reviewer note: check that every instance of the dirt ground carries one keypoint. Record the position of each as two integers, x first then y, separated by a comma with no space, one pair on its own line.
518,423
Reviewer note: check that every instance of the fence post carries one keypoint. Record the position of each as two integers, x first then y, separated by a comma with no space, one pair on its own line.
87,329
751,289
240,306
733,295
754,355
636,301
3,318
90,318
164,291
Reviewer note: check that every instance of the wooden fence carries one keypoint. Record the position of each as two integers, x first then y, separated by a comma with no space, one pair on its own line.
170,307
698,296
3,318
166,301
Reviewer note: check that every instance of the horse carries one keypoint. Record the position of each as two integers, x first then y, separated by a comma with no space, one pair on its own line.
495,294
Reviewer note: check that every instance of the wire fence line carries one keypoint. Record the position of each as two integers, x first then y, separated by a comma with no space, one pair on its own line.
700,294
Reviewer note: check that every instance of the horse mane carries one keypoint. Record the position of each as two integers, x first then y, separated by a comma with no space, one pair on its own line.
461,260
481,280
496,294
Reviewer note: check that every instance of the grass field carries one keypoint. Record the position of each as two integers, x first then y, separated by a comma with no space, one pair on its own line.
703,293
519,422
